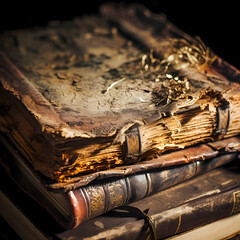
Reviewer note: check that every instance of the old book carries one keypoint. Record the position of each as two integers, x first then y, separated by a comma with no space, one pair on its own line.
227,228
197,202
199,192
21,225
72,206
110,90
22,218
17,213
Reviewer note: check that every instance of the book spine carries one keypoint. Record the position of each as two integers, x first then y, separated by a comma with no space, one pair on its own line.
198,212
94,200
192,214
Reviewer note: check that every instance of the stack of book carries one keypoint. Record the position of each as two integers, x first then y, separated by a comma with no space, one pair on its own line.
117,125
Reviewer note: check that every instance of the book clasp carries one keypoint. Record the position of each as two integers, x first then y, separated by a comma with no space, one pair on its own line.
133,143
223,118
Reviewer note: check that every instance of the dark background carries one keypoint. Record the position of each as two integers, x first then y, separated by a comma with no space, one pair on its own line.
217,23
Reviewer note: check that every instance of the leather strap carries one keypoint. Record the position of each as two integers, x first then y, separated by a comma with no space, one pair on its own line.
133,143
223,118
136,212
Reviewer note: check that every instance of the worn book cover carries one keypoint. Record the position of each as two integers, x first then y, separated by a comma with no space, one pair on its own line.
74,204
113,89
201,200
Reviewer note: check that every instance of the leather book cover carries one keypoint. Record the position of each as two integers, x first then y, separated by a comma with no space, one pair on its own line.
197,202
111,90
211,196
73,205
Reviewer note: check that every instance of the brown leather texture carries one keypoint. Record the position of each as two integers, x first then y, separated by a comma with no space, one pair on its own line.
70,92
110,190
201,200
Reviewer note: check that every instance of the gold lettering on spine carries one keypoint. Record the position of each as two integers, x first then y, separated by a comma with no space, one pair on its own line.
96,197
117,195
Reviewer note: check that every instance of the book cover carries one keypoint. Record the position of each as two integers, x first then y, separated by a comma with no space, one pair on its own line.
113,89
71,207
227,228
195,203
